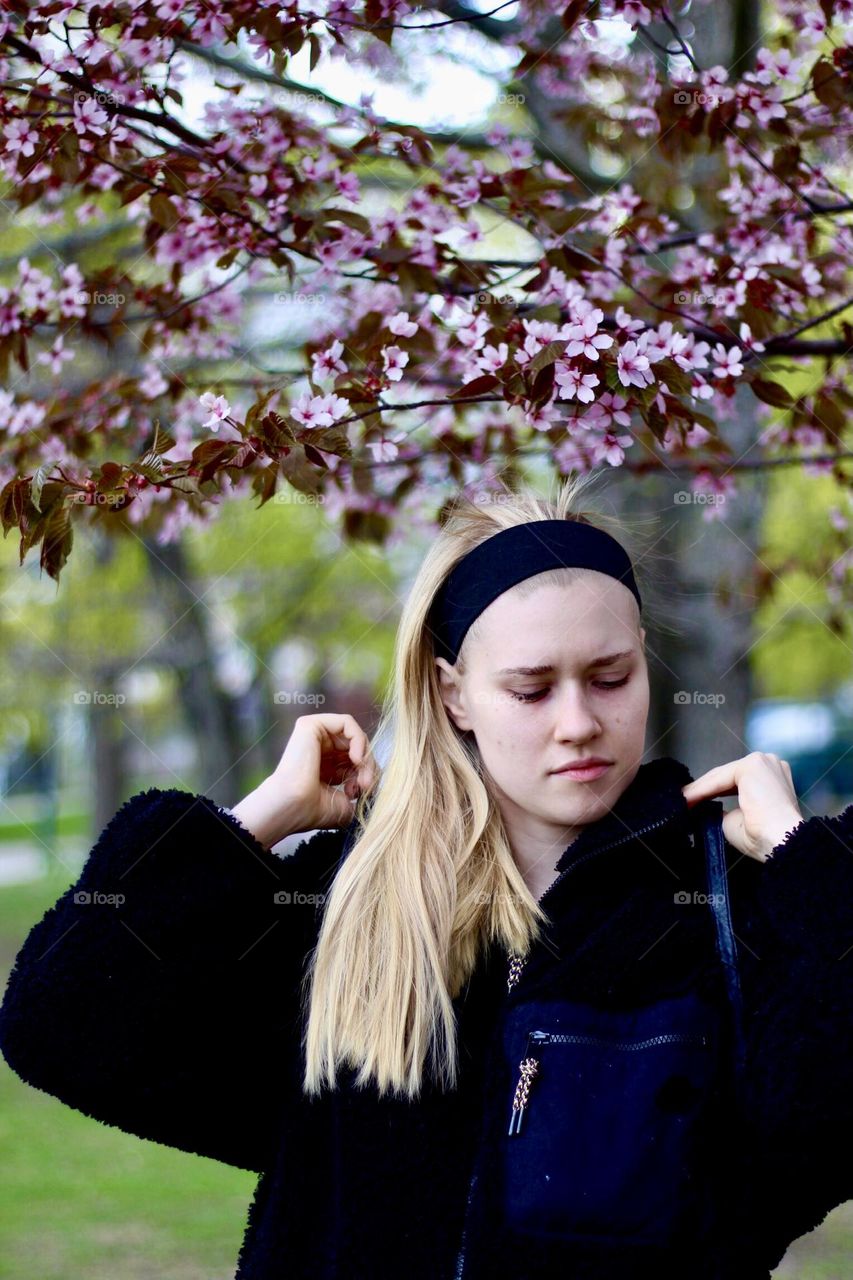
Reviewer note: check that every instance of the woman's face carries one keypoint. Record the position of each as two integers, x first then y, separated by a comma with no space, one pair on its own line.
529,724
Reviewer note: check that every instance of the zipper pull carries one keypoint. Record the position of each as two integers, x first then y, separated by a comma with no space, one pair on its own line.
516,964
528,1069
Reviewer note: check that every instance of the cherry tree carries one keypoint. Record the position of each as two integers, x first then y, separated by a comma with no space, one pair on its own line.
620,335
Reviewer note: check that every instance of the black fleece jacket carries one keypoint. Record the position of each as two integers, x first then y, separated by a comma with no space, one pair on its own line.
160,994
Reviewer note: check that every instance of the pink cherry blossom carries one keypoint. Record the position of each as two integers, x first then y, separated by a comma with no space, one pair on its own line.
584,338
386,449
217,407
726,361
608,409
327,363
573,383
493,358
20,137
152,384
747,341
55,357
89,116
610,449
402,326
319,411
394,360
472,332
627,323
633,367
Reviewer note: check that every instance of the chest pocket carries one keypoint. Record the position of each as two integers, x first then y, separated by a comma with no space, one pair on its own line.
610,1120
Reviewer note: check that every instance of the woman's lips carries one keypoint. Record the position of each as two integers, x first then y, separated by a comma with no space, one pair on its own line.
589,774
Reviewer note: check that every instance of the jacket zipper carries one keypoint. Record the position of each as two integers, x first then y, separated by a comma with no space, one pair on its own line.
516,965
530,1064
517,962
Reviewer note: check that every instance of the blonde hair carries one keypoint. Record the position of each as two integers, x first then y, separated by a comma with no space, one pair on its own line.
431,880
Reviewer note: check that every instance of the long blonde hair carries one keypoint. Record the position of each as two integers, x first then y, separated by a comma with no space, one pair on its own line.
430,880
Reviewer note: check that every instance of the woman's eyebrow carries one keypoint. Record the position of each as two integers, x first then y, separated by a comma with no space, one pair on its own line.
605,660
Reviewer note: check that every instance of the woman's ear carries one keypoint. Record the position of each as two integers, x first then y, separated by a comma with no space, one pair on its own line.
451,694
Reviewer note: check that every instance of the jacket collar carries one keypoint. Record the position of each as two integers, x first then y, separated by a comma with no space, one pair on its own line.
652,799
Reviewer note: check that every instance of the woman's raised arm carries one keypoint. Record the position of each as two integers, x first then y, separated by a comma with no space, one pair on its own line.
160,993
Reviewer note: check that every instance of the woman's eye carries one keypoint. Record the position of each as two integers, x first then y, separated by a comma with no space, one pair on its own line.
538,693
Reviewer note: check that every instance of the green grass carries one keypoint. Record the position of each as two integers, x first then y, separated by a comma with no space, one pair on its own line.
66,824
83,1201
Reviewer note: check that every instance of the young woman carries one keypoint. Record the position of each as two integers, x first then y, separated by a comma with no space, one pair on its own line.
477,1025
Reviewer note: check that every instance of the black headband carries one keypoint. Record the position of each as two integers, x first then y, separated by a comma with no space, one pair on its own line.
510,556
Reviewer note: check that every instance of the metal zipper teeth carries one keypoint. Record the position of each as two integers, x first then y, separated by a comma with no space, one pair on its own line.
460,1257
517,963
666,1037
531,1063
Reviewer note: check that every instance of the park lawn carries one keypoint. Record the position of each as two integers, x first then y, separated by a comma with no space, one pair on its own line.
83,1199
65,824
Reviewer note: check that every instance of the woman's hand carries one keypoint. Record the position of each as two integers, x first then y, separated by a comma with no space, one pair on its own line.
767,803
323,751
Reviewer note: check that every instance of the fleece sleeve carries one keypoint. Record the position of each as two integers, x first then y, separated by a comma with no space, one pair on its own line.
160,993
793,920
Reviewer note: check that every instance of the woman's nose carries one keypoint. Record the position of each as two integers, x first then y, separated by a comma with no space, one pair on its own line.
575,716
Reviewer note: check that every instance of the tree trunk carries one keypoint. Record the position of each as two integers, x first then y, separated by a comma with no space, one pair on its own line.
211,714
